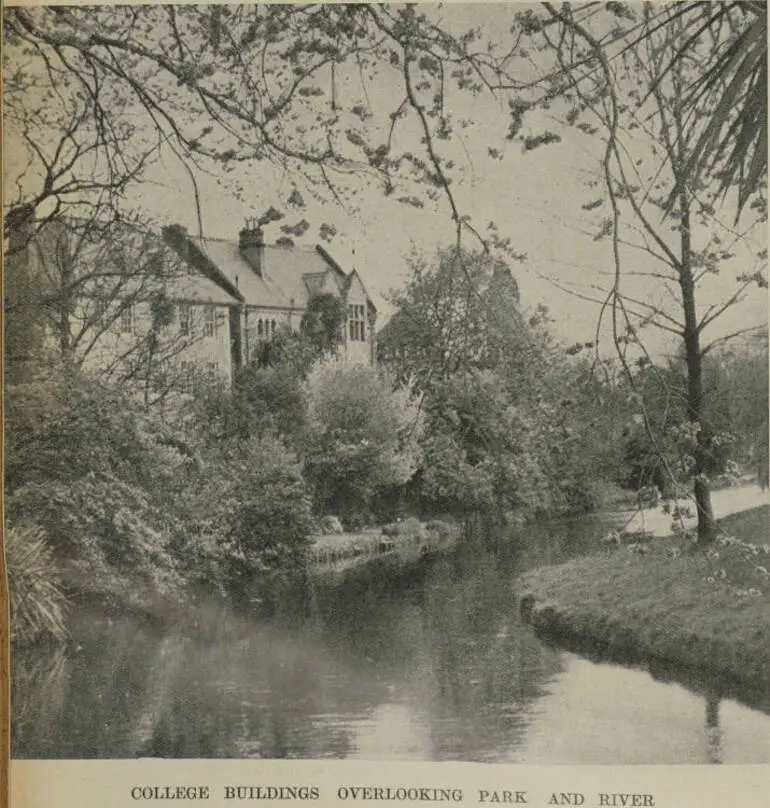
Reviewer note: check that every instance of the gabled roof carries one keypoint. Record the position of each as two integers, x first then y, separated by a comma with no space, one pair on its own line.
290,275
116,260
318,283
197,288
282,283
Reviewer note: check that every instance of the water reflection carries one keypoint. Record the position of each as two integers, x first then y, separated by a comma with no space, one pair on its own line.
713,732
434,665
623,716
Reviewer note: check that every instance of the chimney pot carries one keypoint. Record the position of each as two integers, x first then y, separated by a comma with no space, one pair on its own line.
251,237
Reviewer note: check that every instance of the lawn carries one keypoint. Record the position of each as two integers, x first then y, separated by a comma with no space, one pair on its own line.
702,611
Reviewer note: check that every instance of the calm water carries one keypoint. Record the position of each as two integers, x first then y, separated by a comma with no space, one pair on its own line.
433,666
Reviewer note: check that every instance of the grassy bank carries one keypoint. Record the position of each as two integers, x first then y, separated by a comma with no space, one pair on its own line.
399,544
706,615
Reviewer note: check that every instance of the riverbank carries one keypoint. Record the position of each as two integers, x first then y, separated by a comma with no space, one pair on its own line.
426,663
391,549
399,543
704,613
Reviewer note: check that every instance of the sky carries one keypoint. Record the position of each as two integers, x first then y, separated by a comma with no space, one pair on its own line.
535,197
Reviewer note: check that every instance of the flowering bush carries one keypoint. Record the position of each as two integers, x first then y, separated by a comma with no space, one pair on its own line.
248,516
362,436
107,532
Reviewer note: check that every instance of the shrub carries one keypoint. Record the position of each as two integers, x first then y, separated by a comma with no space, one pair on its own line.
67,427
411,527
135,509
260,508
442,529
483,455
361,437
581,495
103,481
273,399
37,602
331,525
113,536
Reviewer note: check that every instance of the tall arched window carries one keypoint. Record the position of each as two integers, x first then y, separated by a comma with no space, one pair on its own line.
259,328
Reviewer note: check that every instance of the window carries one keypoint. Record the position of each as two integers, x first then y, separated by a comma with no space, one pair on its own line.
357,323
265,329
127,319
98,314
185,319
187,374
209,321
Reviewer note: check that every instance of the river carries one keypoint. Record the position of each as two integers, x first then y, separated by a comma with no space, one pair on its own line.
430,665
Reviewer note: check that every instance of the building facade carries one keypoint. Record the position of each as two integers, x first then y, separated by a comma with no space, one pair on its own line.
273,286
166,313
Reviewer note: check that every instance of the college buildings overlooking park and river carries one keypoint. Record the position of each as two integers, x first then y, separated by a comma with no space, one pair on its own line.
168,311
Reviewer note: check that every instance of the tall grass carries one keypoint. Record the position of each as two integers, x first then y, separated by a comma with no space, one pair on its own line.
37,601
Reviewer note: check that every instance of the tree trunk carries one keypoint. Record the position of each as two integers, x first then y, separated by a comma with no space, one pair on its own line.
694,360
65,303
713,731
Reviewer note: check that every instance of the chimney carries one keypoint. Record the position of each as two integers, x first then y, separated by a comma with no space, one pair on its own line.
176,237
251,241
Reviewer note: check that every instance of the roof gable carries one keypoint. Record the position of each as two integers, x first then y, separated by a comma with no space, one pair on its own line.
322,283
354,283
289,275
117,260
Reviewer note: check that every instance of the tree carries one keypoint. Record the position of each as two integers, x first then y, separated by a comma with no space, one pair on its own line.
272,399
733,144
362,437
323,323
288,84
739,392
583,414
117,86
95,293
659,447
511,422
71,149
458,310
638,97
483,454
